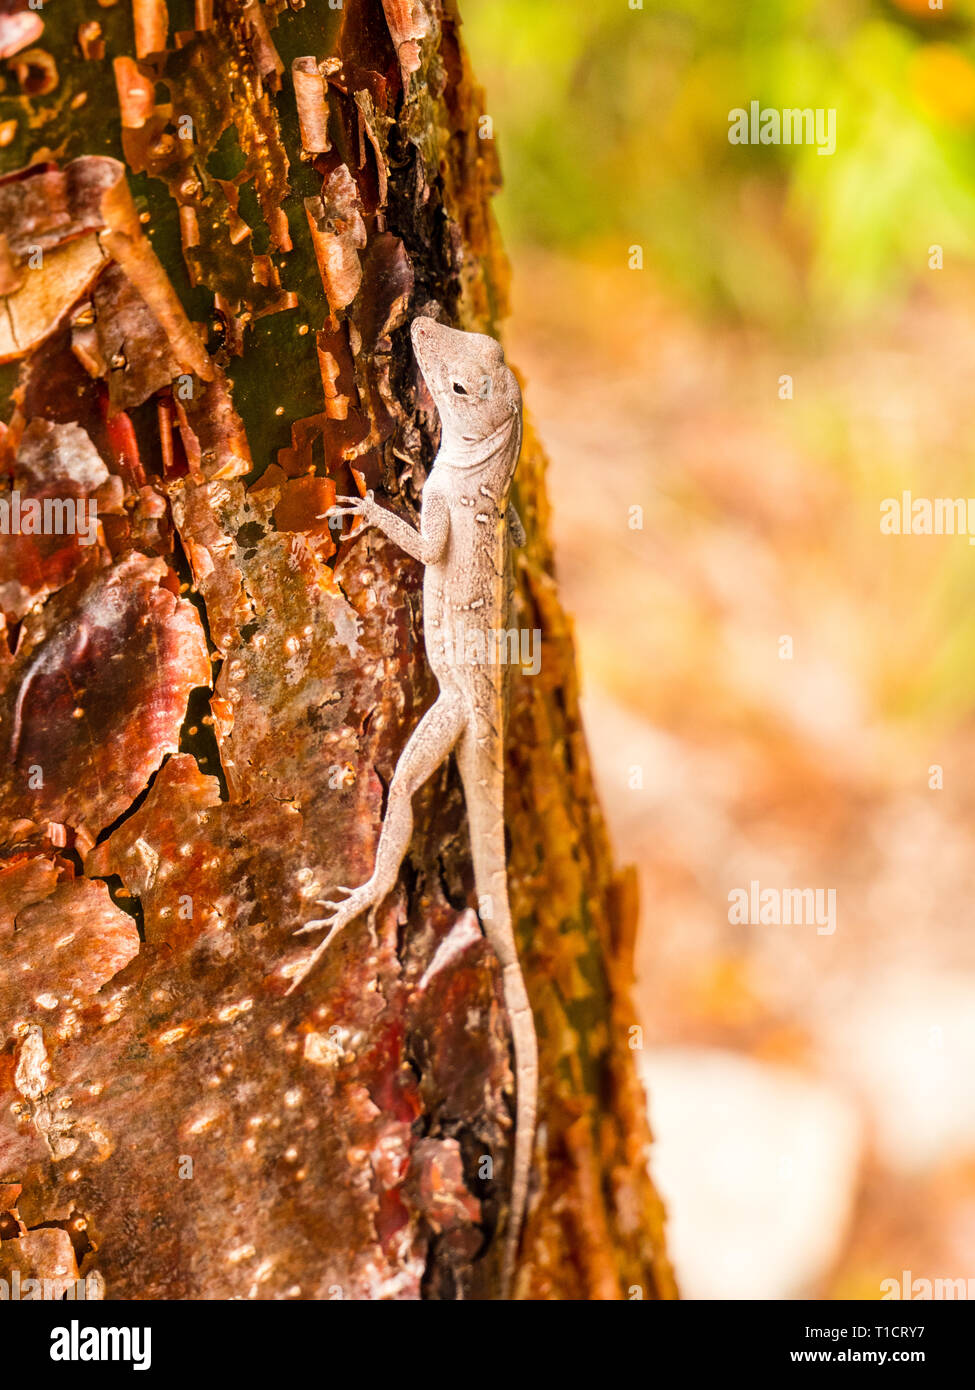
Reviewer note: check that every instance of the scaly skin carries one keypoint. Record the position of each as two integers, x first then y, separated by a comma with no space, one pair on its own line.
466,525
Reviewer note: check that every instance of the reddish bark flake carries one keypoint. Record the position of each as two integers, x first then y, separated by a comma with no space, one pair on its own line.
133,346
60,951
56,464
23,881
116,653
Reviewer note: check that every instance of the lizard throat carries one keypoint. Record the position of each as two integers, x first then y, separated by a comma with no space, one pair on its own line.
467,454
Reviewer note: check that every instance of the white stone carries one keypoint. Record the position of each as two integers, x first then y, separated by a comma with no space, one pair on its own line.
758,1168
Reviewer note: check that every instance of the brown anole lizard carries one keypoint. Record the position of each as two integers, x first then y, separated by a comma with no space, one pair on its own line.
466,525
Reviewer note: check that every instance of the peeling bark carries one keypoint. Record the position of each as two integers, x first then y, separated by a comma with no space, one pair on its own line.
205,329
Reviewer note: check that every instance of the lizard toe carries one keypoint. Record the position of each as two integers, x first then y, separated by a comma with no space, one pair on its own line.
315,925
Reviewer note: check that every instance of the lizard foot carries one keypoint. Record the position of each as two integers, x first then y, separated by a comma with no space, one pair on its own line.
364,507
320,922
340,915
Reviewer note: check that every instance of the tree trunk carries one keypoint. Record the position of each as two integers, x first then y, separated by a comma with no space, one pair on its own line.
218,222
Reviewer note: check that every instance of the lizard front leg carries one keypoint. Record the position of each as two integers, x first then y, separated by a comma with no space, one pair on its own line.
426,545
428,746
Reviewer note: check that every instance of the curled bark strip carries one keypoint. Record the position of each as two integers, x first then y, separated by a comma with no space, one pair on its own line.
36,71
151,26
338,233
266,56
90,40
312,108
408,21
136,94
189,227
336,402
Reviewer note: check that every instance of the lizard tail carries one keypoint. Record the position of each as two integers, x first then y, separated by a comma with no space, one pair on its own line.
490,877
526,1110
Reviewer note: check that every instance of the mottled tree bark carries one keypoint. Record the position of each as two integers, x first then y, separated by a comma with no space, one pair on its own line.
217,222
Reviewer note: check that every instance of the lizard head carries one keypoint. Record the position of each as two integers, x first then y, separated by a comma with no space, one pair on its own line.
472,387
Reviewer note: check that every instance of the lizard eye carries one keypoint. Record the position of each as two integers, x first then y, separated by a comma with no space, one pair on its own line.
459,389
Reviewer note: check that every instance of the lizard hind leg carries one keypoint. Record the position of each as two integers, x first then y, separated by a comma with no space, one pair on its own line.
428,747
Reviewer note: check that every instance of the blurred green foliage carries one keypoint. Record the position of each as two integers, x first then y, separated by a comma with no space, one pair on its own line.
613,124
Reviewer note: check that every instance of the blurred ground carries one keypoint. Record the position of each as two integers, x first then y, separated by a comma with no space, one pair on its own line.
761,519
812,1094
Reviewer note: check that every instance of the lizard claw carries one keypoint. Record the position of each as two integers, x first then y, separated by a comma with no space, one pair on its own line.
316,925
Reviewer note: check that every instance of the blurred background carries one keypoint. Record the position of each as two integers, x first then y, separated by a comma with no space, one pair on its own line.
812,1095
